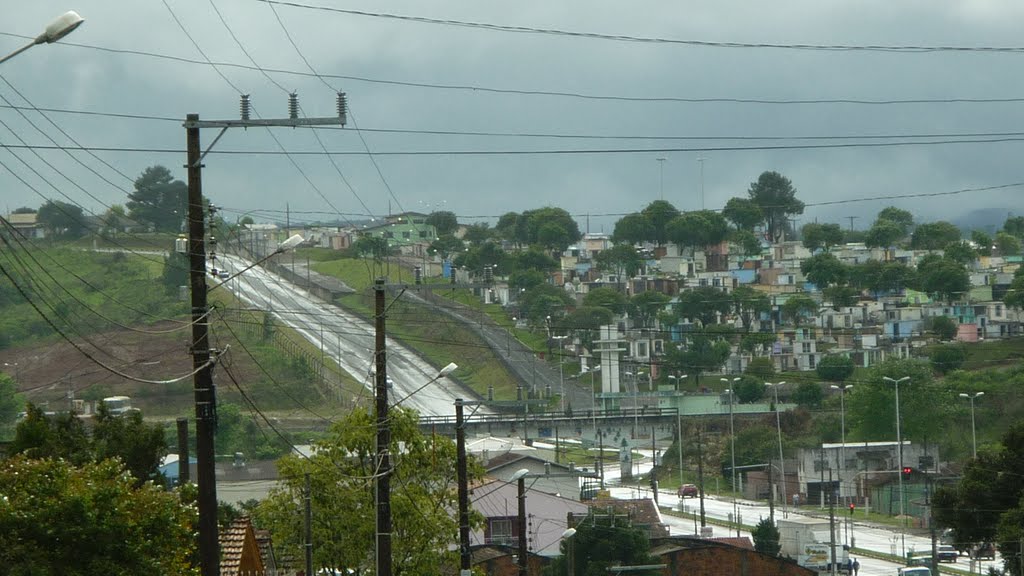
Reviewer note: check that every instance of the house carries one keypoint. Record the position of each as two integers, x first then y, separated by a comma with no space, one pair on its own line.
27,224
403,229
641,513
859,471
715,556
546,476
497,502
240,552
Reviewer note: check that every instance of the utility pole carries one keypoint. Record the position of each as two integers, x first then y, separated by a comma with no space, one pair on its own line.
183,467
654,468
465,561
309,526
832,524
205,394
383,437
523,551
700,477
851,219
771,491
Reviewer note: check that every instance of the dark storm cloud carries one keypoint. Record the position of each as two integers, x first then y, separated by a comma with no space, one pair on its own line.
78,78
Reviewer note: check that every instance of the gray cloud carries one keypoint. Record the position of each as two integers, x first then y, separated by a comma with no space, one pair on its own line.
78,78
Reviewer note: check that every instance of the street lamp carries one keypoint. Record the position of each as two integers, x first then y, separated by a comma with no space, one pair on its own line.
732,450
842,429
59,28
899,438
567,538
974,435
561,374
778,427
593,392
678,380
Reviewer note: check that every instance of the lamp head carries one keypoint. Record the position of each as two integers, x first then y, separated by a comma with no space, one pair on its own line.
520,474
569,533
292,241
61,26
451,367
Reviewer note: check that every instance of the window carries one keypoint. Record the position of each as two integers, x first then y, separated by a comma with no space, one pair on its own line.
811,362
806,347
641,349
389,234
406,234
423,233
501,531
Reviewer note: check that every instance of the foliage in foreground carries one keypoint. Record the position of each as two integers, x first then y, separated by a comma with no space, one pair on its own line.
341,473
56,519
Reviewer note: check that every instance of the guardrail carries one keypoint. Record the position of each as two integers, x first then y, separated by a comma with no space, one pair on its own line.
581,416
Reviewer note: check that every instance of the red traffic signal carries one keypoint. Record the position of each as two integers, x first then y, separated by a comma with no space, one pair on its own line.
907,470
851,508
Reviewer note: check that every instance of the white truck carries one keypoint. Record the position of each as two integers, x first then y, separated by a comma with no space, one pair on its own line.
807,541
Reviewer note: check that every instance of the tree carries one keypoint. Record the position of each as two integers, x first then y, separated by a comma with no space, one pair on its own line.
749,389
445,223
61,219
883,234
947,358
585,322
622,259
701,354
423,494
375,247
698,229
534,260
59,519
808,395
757,342
747,242
158,200
744,213
766,538
934,236
902,218
1014,226
511,226
608,298
824,270
175,271
775,195
703,305
659,213
985,505
549,227
835,368
544,300
447,246
633,228
10,401
817,236
798,306
841,295
478,234
926,407
946,279
602,542
960,252
644,307
762,368
1007,244
880,277
944,327
983,241
138,445
1015,295
748,303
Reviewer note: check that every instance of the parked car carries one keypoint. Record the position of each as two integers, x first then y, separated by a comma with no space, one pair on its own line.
688,491
947,553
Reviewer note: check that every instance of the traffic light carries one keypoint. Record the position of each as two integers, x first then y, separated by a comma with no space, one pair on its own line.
851,508
907,470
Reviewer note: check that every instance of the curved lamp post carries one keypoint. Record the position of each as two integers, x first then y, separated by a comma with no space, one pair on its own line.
732,440
974,435
778,428
62,26
899,443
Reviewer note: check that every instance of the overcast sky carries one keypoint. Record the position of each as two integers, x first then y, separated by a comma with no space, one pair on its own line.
370,48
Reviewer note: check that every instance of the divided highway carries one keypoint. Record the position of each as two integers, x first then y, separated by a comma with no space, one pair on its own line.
346,339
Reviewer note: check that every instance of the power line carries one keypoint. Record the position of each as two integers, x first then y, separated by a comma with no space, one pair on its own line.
652,39
545,93
537,152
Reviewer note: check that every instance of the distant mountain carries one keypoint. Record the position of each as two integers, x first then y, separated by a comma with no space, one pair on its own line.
986,219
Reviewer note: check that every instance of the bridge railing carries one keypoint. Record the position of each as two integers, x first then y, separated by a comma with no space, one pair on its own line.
581,416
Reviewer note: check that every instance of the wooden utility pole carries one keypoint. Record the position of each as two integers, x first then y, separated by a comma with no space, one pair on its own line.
465,560
205,395
383,436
